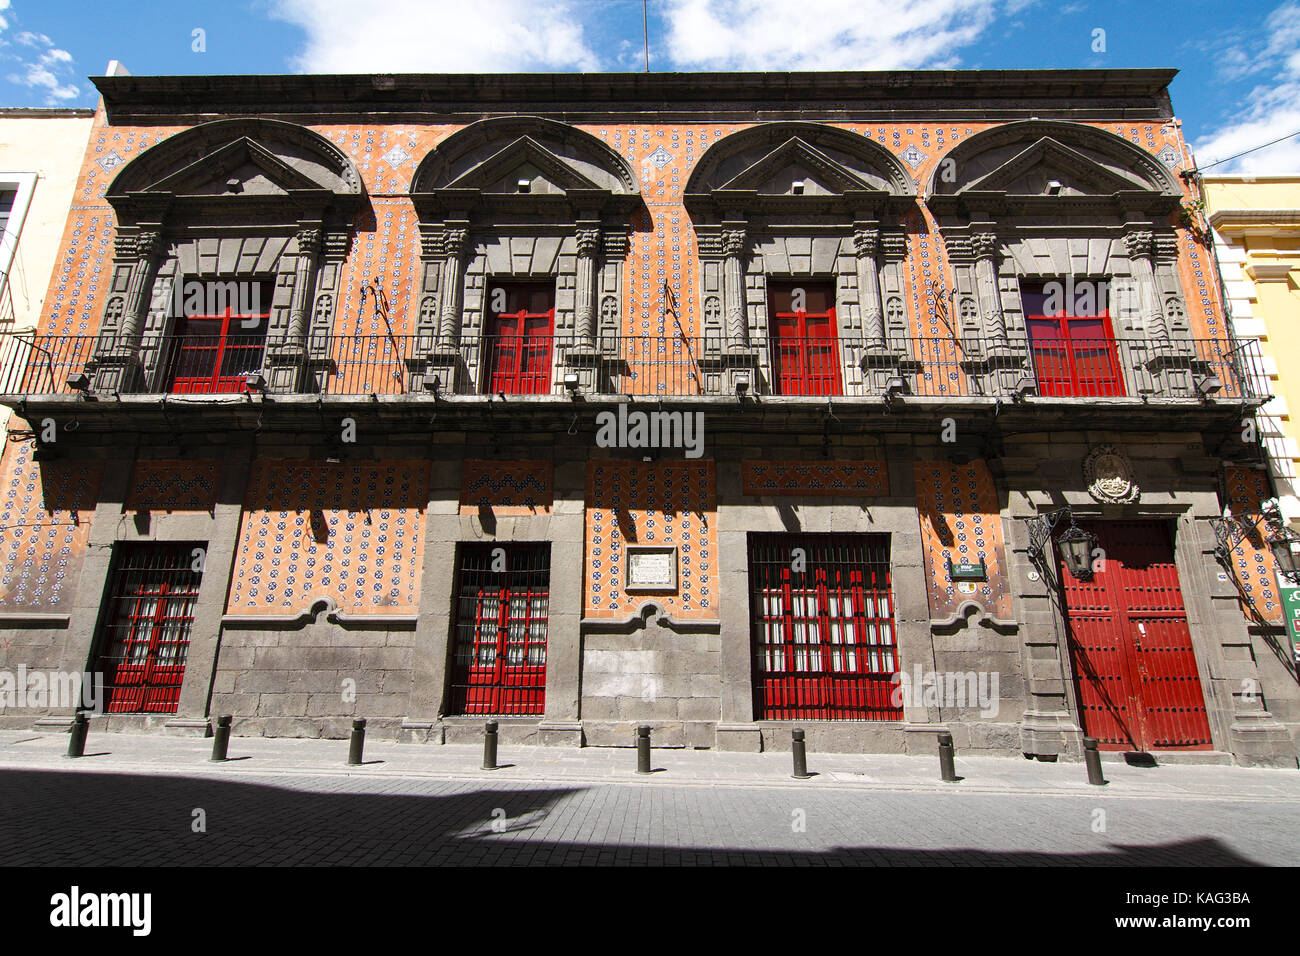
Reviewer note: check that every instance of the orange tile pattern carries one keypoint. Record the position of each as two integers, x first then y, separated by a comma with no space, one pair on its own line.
1252,562
660,503
507,487
353,532
46,509
814,478
173,485
961,520
384,250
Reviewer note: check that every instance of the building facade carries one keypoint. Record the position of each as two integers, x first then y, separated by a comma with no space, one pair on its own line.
722,403
40,156
1256,223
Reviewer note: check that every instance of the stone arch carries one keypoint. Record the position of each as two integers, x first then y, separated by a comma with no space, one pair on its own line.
455,159
875,167
1107,162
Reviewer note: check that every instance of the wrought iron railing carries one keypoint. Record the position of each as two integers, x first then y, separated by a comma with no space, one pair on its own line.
667,366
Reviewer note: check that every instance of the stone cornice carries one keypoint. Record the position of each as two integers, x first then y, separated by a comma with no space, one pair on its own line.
1257,222
1271,271
1097,94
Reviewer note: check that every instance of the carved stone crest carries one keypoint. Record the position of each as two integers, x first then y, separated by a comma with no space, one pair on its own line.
1110,476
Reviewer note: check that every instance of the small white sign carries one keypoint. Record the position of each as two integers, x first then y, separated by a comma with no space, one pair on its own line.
651,569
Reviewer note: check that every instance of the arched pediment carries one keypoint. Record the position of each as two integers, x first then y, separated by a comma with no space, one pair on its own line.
1039,162
488,159
251,163
764,164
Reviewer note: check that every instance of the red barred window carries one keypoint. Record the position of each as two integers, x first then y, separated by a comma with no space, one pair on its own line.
823,626
145,634
502,603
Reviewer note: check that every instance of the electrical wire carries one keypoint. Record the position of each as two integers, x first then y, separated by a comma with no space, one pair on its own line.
1253,149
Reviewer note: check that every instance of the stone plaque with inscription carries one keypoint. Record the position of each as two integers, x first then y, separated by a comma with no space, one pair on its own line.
651,568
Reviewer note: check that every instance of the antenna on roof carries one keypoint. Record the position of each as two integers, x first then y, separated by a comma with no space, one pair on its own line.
645,34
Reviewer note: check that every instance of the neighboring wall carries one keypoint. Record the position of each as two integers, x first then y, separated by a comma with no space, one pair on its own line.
40,158
1256,222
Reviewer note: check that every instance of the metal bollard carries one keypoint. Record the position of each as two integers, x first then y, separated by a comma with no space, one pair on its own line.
77,739
358,741
643,748
490,745
221,739
800,755
946,769
1092,758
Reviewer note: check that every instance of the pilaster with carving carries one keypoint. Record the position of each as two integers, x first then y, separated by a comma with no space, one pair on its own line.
135,264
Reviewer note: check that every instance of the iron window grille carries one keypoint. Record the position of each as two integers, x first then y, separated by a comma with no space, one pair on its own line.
502,605
823,624
145,635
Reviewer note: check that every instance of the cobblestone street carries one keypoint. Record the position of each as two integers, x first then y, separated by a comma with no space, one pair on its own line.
134,801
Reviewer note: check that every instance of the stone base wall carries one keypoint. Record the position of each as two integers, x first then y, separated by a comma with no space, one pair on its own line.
311,680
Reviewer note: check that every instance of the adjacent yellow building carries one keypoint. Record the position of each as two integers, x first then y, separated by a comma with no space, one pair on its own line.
1256,221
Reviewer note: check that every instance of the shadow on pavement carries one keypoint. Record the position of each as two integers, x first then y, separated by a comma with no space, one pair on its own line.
80,818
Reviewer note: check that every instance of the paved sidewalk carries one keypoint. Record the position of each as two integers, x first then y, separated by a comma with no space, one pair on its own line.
138,800
141,753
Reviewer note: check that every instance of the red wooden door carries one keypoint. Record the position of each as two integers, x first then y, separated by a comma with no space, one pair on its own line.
1075,356
146,638
212,353
823,628
805,347
1135,669
518,339
499,662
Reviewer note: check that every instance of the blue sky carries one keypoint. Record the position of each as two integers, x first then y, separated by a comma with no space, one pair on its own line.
1239,86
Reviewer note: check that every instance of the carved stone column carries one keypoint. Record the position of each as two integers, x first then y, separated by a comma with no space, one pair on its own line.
286,362
588,240
733,287
866,243
453,250
578,355
438,322
304,275
117,362
1141,250
985,245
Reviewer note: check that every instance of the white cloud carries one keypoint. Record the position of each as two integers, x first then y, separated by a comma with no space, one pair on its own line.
1269,111
446,36
50,73
826,34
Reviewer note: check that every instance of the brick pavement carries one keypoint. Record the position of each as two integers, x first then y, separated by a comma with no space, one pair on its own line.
293,802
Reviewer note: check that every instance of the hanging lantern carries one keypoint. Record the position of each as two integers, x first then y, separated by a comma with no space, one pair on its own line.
1286,552
1076,547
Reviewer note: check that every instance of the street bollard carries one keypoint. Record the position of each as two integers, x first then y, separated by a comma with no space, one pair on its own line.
946,769
1093,759
643,748
490,745
800,755
221,739
77,740
358,742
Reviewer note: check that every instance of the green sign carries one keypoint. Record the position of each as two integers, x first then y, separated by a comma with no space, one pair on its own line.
1291,608
967,572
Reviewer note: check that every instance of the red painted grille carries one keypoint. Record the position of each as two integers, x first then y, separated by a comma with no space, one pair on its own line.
823,627
146,627
502,602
